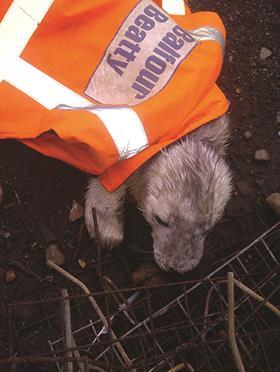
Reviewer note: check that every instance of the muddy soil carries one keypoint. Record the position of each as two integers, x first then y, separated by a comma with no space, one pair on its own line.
39,190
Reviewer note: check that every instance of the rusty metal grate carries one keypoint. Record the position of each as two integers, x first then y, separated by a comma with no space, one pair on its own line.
171,327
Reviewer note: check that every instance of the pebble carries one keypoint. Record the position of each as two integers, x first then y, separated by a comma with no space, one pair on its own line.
230,58
54,254
274,201
82,263
238,91
33,244
265,53
262,155
248,134
6,235
10,276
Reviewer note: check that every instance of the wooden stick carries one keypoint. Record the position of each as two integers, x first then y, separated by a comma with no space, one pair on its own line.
231,324
67,327
94,305
97,244
180,366
245,289
206,309
77,355
257,297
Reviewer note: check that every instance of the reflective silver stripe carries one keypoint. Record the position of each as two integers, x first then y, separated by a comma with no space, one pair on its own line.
41,87
175,7
17,27
208,33
122,123
125,128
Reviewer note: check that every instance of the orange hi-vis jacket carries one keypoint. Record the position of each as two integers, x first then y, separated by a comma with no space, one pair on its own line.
104,85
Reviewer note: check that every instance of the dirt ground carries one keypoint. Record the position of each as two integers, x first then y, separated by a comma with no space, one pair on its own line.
38,191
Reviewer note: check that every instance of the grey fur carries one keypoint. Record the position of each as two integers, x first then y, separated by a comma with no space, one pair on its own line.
186,185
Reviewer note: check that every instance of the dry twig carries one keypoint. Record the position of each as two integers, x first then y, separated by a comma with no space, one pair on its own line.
231,324
77,355
206,309
98,244
181,366
67,327
95,306
257,297
246,290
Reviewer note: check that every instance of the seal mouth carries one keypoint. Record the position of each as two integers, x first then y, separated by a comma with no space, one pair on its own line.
160,263
181,269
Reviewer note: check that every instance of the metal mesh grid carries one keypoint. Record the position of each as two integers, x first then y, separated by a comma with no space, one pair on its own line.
176,326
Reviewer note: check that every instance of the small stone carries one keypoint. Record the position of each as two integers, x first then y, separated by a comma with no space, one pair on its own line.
238,91
6,235
54,254
265,53
278,118
230,58
248,134
262,155
274,201
82,263
76,212
10,276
